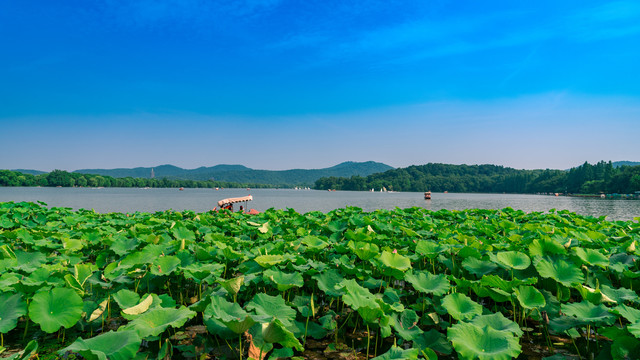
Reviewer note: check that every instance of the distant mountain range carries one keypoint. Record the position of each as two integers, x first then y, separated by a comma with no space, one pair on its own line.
625,163
243,174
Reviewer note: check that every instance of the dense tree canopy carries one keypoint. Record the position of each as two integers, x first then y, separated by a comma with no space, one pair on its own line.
67,179
585,179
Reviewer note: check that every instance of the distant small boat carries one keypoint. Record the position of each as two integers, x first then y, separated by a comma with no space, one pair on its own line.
181,189
427,195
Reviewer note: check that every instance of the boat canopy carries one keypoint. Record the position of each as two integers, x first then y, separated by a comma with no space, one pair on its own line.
234,200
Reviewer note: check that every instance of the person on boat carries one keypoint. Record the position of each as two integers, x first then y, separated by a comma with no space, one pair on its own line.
241,208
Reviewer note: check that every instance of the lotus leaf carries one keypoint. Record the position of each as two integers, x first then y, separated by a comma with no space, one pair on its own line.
123,245
284,281
59,307
406,324
429,248
29,261
474,342
426,282
275,332
356,296
461,307
121,345
126,298
627,312
560,270
511,260
230,314
29,351
232,285
268,260
435,340
497,321
165,265
139,308
592,257
155,321
529,297
396,353
364,250
314,243
273,307
395,261
478,267
13,307
586,311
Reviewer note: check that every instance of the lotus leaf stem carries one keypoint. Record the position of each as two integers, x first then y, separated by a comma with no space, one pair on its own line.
368,340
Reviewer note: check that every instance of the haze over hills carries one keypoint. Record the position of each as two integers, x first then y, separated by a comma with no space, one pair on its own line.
243,174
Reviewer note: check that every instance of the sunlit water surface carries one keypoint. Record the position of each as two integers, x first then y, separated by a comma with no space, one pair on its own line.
150,200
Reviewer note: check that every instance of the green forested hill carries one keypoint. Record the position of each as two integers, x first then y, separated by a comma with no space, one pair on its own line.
243,174
602,177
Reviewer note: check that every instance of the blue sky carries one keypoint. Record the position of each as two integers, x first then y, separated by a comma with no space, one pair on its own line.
276,84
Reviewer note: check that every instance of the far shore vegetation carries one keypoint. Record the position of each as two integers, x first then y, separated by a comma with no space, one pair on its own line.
600,178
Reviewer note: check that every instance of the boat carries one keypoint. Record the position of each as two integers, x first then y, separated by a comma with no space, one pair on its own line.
427,195
228,203
181,189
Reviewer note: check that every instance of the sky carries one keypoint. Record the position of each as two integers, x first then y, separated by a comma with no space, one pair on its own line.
278,84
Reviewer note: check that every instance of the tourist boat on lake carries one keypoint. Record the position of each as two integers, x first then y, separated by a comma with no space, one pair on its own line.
427,195
228,203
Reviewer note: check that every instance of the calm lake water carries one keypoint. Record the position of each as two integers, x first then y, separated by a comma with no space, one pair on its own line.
200,200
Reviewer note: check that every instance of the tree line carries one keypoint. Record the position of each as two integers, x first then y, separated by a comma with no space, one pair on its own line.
598,178
66,179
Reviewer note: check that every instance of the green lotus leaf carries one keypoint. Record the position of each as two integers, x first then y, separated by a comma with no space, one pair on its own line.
29,261
426,282
546,246
157,320
364,250
165,265
429,249
59,307
284,281
461,307
273,307
592,257
478,267
634,329
121,345
497,321
230,314
314,243
588,312
433,339
529,297
396,353
625,347
327,282
474,342
126,298
406,324
123,245
13,307
29,351
232,285
627,312
511,260
560,270
275,332
356,296
395,261
268,260
620,294
595,296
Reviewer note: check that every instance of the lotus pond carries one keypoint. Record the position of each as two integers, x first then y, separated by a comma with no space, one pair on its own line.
347,284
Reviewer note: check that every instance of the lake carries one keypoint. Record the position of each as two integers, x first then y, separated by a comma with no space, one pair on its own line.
106,200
